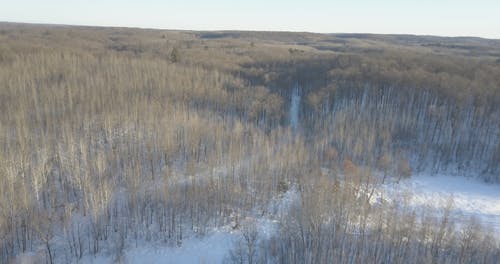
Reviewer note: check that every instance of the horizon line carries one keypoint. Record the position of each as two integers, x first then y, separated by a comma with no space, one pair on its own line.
244,30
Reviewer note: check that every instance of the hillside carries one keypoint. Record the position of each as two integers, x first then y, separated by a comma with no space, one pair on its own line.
113,138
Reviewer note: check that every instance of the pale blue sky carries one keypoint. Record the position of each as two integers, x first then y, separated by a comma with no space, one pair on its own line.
430,17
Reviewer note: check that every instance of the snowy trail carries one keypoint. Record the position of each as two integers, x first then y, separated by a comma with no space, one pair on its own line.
294,108
470,197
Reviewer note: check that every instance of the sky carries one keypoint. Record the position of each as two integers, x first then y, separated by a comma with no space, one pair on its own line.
422,17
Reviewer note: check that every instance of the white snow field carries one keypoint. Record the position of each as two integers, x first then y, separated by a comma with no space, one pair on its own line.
470,197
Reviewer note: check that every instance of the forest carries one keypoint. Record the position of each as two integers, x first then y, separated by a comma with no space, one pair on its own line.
114,137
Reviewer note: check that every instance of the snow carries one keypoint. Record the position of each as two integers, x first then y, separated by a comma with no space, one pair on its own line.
212,248
294,108
281,205
27,258
470,197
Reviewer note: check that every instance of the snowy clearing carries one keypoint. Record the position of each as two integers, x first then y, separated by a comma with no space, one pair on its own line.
470,197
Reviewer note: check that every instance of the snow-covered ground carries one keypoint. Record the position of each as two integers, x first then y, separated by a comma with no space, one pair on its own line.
214,247
294,108
470,197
